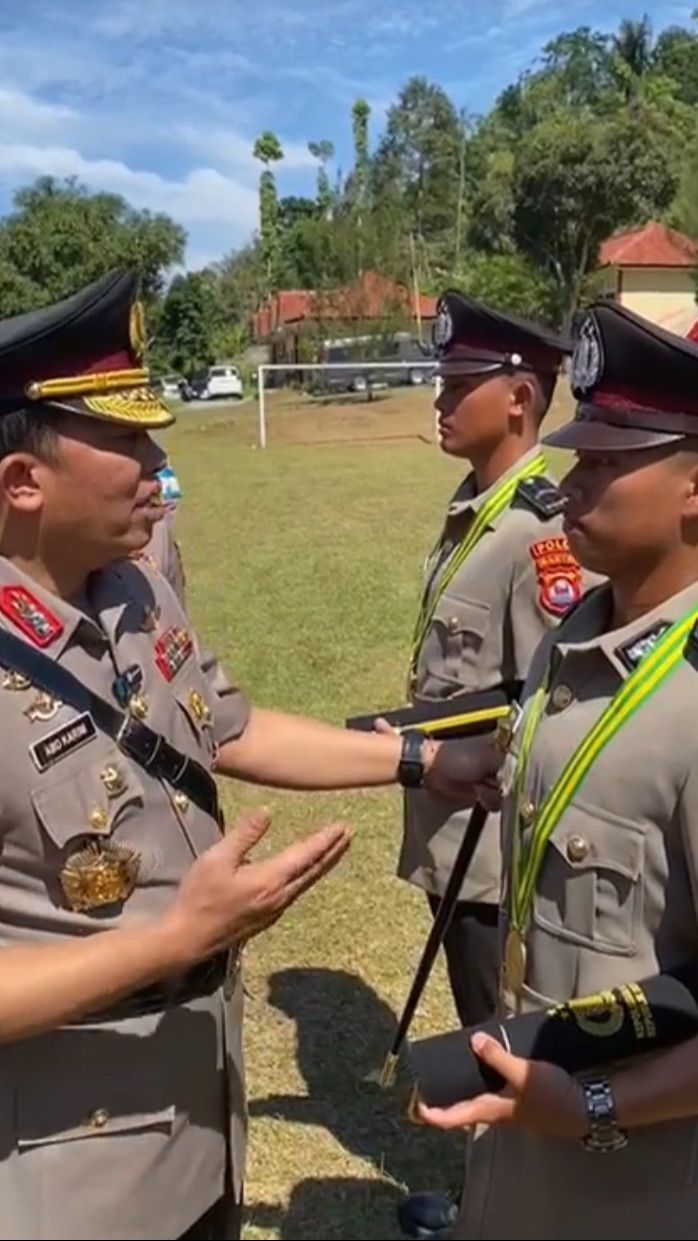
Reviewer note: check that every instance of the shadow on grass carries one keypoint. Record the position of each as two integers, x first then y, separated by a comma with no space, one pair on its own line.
343,1032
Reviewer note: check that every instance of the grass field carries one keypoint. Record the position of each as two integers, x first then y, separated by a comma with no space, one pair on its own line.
303,568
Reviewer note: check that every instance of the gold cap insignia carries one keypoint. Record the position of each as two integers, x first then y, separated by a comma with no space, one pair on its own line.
99,875
136,330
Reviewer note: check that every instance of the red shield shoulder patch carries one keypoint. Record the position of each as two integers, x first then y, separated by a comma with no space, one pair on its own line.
30,615
559,575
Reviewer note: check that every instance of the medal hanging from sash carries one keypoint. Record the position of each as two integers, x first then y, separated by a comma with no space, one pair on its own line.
529,849
498,502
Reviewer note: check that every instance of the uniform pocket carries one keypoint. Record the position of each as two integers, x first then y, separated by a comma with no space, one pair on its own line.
590,887
91,801
453,645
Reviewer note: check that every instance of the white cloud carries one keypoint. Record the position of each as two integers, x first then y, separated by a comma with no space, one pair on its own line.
26,117
204,195
234,151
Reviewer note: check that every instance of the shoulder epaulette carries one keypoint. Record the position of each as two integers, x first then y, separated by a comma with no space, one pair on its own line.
542,495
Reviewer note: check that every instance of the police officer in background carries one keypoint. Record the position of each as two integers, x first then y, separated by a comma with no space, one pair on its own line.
501,575
601,822
122,908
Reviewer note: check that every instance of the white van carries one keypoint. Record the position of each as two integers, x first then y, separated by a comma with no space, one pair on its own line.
222,381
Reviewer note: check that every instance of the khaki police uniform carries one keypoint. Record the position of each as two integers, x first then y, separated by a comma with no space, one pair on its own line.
129,1123
603,891
514,586
131,1126
616,901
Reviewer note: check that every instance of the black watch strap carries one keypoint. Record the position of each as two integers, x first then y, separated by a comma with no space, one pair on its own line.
410,772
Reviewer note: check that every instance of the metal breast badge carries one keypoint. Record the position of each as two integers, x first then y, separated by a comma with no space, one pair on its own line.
99,875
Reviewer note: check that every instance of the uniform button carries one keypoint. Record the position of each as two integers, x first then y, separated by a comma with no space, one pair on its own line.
562,697
99,1119
577,849
181,801
99,819
138,706
528,813
114,780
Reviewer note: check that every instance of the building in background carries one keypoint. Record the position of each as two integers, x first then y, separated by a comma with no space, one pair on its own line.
294,322
653,272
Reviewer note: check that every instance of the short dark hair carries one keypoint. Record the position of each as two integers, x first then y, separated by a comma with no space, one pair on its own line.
33,430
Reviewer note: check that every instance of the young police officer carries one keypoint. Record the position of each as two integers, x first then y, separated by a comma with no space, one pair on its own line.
121,908
501,575
601,821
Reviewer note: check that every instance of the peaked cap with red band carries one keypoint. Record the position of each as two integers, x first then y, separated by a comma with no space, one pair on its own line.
84,354
636,384
473,339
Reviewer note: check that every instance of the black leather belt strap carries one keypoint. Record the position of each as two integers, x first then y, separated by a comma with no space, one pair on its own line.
203,979
134,738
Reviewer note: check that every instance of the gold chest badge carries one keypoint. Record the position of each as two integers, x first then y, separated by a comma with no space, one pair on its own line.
99,875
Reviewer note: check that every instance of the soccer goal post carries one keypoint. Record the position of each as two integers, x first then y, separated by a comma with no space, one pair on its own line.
269,367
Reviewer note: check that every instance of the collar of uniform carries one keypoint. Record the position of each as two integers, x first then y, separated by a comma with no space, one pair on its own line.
468,498
62,615
586,628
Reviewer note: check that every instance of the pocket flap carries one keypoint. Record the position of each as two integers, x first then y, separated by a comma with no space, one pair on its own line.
463,615
37,1127
89,801
592,839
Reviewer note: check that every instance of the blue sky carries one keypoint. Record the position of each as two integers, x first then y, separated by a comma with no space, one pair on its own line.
161,100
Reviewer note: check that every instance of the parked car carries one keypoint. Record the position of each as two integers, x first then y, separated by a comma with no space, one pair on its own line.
171,387
221,381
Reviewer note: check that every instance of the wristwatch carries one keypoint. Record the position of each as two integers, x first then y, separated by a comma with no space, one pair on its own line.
411,772
604,1136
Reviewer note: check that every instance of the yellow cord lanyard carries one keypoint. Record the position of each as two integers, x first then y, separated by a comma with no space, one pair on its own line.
528,854
498,502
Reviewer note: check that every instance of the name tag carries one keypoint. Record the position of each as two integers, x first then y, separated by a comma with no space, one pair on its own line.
62,741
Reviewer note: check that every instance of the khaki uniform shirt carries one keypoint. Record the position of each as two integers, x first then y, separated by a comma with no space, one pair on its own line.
616,901
514,586
132,1128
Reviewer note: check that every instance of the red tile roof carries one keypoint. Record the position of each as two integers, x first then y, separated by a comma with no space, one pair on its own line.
652,246
371,297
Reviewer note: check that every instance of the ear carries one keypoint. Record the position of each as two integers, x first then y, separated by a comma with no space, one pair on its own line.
20,483
522,398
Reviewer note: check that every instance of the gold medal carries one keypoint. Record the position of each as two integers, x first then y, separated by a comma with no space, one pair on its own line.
98,876
515,961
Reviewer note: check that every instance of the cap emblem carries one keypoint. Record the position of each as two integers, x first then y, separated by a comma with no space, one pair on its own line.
587,360
443,328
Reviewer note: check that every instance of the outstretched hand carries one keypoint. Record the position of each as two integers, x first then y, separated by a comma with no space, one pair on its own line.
537,1096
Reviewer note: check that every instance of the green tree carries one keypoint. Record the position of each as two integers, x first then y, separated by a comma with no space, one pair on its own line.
59,237
323,151
191,322
268,150
577,181
676,57
509,282
417,165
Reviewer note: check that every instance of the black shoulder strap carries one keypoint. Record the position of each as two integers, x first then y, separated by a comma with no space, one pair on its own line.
542,495
135,739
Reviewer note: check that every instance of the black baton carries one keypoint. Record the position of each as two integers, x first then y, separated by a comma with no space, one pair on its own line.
442,921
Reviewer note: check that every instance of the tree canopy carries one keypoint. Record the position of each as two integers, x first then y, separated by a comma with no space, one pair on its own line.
600,134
